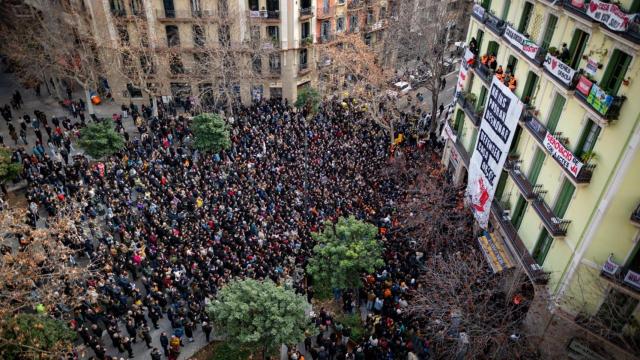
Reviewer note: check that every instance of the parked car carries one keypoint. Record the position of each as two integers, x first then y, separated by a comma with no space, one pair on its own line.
403,87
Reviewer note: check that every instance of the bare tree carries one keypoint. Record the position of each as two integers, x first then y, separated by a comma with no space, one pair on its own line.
55,40
349,69
37,270
417,40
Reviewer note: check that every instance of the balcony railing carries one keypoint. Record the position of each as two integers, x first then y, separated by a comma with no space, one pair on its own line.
264,14
524,45
478,12
580,10
635,216
462,151
484,73
306,12
326,38
521,181
469,108
303,67
631,32
622,276
494,23
325,12
605,105
517,246
560,72
578,172
555,226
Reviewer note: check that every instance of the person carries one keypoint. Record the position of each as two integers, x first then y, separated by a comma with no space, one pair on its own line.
443,83
146,336
564,53
207,328
473,46
164,342
500,74
156,354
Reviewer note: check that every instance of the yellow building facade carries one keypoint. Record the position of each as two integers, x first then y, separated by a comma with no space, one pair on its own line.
567,201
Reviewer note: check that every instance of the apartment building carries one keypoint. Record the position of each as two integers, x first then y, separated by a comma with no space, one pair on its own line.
566,206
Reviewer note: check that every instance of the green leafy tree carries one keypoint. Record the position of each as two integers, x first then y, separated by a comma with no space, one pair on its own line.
100,139
260,316
344,251
211,133
308,99
33,336
8,170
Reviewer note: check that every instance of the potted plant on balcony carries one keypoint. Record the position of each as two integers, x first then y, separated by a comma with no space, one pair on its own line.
306,41
554,51
588,157
480,111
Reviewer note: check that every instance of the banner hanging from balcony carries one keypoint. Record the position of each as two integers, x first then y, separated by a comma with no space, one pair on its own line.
560,70
462,79
599,100
562,154
478,11
528,47
497,128
609,14
448,133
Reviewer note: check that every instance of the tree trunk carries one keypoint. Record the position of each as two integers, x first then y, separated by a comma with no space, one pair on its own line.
434,114
90,108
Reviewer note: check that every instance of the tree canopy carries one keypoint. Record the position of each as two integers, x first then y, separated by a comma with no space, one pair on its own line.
31,336
100,139
344,251
211,133
8,169
260,315
308,99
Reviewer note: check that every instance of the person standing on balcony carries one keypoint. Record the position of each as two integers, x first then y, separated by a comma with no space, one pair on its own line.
564,53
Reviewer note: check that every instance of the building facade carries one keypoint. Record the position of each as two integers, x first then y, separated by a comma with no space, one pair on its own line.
567,202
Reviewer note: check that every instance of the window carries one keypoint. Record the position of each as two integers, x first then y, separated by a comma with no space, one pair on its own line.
564,198
137,8
275,92
274,63
256,64
202,64
223,8
518,212
253,5
542,247
501,185
486,4
196,9
370,17
556,112
325,6
303,59
616,70
340,24
492,48
578,44
459,124
505,9
117,7
305,4
512,63
474,138
529,87
134,91
341,2
255,32
588,139
274,33
536,166
353,23
552,22
526,16
479,37
481,98
173,36
273,5
169,9
146,63
383,12
224,36
325,30
257,92
198,36
175,65
305,30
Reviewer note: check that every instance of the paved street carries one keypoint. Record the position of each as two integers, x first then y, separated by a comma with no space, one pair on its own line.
445,97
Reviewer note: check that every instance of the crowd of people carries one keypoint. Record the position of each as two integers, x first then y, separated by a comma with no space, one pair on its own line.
167,226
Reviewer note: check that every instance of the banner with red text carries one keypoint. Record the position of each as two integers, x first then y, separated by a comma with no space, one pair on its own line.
609,14
562,154
528,47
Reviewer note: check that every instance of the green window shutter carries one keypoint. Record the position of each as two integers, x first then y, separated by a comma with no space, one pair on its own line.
516,140
588,138
492,48
556,112
518,212
459,122
616,70
578,44
536,166
474,137
549,31
482,98
505,9
501,184
634,7
542,247
562,203
479,38
486,4
526,15
529,87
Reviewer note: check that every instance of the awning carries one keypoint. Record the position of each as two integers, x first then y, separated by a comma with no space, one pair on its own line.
495,252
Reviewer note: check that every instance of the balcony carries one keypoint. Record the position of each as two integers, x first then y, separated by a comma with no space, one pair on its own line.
355,5
573,168
523,45
560,72
516,246
494,23
306,13
264,14
580,11
484,73
621,276
606,107
635,216
478,12
631,33
555,226
463,152
467,102
521,181
325,12
303,68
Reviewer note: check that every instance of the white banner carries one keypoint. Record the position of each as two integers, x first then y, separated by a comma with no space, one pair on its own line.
562,154
559,69
528,47
497,128
468,57
447,132
610,15
478,11
462,79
